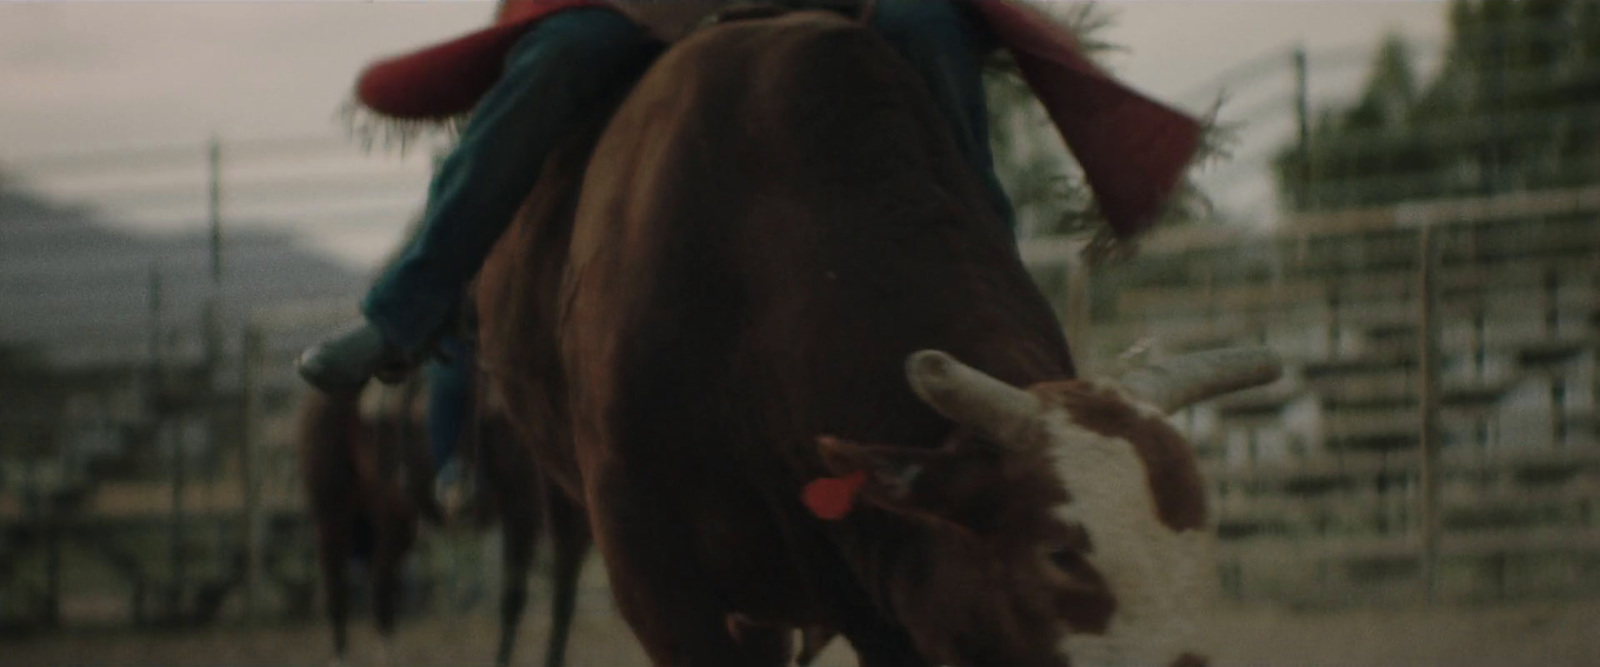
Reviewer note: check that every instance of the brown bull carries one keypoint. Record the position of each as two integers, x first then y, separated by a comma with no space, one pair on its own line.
771,227
525,511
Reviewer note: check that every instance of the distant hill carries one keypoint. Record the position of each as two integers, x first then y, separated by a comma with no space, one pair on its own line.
76,288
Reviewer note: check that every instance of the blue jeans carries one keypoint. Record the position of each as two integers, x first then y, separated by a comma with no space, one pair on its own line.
558,76
450,395
942,39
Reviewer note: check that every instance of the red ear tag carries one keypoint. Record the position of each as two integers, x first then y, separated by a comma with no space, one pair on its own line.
831,498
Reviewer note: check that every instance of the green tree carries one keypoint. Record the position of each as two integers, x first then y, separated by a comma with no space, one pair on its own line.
1511,108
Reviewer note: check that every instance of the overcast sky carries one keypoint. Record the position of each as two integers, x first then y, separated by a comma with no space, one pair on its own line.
80,76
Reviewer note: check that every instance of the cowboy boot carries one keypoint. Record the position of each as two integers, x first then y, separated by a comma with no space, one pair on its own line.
343,364
454,491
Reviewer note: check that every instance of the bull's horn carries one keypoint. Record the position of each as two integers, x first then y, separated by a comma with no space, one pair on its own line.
1176,383
968,396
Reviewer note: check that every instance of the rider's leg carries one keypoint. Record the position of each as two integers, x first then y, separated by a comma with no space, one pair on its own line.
556,77
450,406
943,42
449,399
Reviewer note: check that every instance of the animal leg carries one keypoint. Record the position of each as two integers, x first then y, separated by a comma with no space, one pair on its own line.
333,555
659,585
520,537
392,544
570,542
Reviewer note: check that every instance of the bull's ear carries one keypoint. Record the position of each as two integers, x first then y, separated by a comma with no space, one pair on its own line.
886,477
891,472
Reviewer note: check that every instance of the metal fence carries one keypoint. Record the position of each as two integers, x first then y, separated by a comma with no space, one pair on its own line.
153,478
1436,433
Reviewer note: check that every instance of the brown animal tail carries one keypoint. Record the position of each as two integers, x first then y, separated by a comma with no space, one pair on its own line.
328,433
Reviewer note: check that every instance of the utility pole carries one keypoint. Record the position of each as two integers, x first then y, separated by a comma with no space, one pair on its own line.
1302,114
211,328
209,403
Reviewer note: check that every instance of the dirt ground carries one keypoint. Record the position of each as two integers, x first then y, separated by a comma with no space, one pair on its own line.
1513,634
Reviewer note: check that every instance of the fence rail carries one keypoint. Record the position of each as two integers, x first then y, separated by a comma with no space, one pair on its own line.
1323,488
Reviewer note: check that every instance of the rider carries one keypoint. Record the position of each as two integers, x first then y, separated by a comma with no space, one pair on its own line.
562,58
556,76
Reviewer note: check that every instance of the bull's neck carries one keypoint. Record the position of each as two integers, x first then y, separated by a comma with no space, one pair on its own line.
885,553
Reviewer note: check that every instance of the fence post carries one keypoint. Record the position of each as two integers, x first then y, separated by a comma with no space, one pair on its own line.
160,403
1078,308
176,533
254,363
1428,258
52,563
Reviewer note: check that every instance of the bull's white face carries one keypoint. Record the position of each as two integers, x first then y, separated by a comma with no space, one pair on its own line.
1162,576
1133,489
1064,524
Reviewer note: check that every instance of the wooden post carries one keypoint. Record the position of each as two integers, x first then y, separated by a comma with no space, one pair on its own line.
40,513
1552,303
1428,258
213,411
159,404
175,535
52,562
254,363
1078,310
